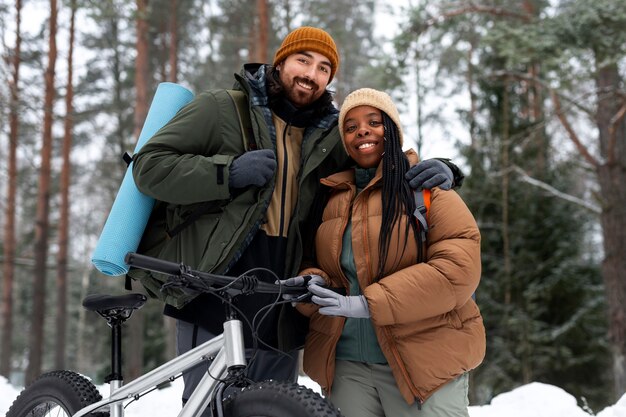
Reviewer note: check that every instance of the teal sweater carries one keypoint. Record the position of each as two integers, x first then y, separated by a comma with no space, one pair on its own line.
358,340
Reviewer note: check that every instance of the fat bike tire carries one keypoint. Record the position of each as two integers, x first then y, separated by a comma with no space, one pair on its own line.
56,393
278,399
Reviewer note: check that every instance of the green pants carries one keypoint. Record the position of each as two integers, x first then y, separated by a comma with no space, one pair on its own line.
369,390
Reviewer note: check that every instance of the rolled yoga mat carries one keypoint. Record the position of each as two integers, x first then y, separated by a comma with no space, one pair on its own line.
131,209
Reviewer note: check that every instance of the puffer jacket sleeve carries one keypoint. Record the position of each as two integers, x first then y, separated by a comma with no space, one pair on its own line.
180,163
445,281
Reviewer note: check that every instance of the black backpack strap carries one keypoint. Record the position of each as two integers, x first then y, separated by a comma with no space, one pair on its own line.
128,158
243,114
195,215
420,213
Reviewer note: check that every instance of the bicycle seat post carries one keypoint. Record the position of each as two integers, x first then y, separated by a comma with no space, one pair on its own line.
116,378
115,310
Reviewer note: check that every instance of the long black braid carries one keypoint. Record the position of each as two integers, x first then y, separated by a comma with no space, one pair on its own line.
397,196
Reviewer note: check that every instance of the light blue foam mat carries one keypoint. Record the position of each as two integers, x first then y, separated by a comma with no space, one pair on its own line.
131,209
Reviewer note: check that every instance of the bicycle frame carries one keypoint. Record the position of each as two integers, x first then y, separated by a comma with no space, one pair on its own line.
225,351
225,356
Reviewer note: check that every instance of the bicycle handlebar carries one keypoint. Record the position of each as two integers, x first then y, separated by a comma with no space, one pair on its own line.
177,269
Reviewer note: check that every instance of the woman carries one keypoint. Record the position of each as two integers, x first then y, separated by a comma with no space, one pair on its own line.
408,331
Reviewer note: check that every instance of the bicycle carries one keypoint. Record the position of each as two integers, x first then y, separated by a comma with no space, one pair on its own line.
71,394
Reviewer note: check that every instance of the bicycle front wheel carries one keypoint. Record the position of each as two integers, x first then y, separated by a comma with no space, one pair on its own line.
278,399
56,393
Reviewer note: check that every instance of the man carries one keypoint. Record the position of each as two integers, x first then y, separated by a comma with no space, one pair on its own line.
260,193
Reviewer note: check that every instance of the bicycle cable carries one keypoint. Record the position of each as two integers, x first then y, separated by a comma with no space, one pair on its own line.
248,280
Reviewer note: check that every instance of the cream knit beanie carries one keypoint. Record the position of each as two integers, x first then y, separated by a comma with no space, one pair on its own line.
370,97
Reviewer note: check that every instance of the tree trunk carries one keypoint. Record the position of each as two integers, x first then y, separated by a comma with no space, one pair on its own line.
118,101
261,52
83,360
141,67
135,354
134,348
43,208
61,317
612,177
8,270
173,50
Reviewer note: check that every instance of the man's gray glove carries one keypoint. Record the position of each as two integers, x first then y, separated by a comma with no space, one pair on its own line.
334,304
299,281
252,168
430,173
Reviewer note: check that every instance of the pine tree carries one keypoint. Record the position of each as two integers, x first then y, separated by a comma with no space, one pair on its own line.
540,291
8,268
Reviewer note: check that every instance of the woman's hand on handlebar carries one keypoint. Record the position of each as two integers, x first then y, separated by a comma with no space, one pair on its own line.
300,281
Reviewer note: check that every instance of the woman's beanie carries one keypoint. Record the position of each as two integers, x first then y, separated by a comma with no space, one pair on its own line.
374,98
308,38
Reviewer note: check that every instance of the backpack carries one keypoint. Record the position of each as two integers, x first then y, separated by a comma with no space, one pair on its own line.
422,206
156,234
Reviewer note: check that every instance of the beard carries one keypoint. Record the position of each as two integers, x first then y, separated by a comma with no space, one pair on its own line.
298,96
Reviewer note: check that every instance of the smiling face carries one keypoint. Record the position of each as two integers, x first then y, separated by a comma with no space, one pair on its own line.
304,76
364,135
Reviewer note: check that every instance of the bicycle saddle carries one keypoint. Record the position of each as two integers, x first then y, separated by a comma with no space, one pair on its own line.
104,302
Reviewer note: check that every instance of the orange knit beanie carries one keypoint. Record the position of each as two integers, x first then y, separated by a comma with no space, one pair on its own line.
308,38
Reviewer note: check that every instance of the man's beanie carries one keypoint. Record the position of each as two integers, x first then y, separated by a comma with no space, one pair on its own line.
374,98
308,38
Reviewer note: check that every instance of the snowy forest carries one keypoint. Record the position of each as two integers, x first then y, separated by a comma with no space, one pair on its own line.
531,95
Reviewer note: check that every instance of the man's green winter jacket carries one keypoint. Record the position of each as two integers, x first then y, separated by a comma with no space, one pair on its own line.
187,163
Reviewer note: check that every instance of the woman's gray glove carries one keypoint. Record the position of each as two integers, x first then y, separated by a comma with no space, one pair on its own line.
334,304
252,168
430,173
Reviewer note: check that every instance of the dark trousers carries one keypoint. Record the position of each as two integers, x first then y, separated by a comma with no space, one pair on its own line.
267,364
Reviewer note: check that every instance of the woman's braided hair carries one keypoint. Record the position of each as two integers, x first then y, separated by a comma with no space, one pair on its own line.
397,196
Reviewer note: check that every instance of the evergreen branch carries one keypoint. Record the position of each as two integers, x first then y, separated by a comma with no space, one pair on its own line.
570,130
574,102
550,189
470,7
559,113
573,321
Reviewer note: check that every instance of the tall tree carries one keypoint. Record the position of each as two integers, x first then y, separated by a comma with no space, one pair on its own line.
43,207
8,270
173,44
62,258
169,324
539,289
598,29
260,33
142,66
142,84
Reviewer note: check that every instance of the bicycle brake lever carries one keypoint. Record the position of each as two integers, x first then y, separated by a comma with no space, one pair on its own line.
306,297
303,298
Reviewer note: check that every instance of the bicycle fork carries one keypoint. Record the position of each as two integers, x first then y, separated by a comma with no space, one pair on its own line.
230,358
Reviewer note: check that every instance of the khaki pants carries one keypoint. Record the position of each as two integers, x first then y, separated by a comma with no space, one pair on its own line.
369,390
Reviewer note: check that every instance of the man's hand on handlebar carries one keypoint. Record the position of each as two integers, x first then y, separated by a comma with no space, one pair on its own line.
300,281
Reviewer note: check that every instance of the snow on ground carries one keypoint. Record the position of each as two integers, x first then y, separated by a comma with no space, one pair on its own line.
531,400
